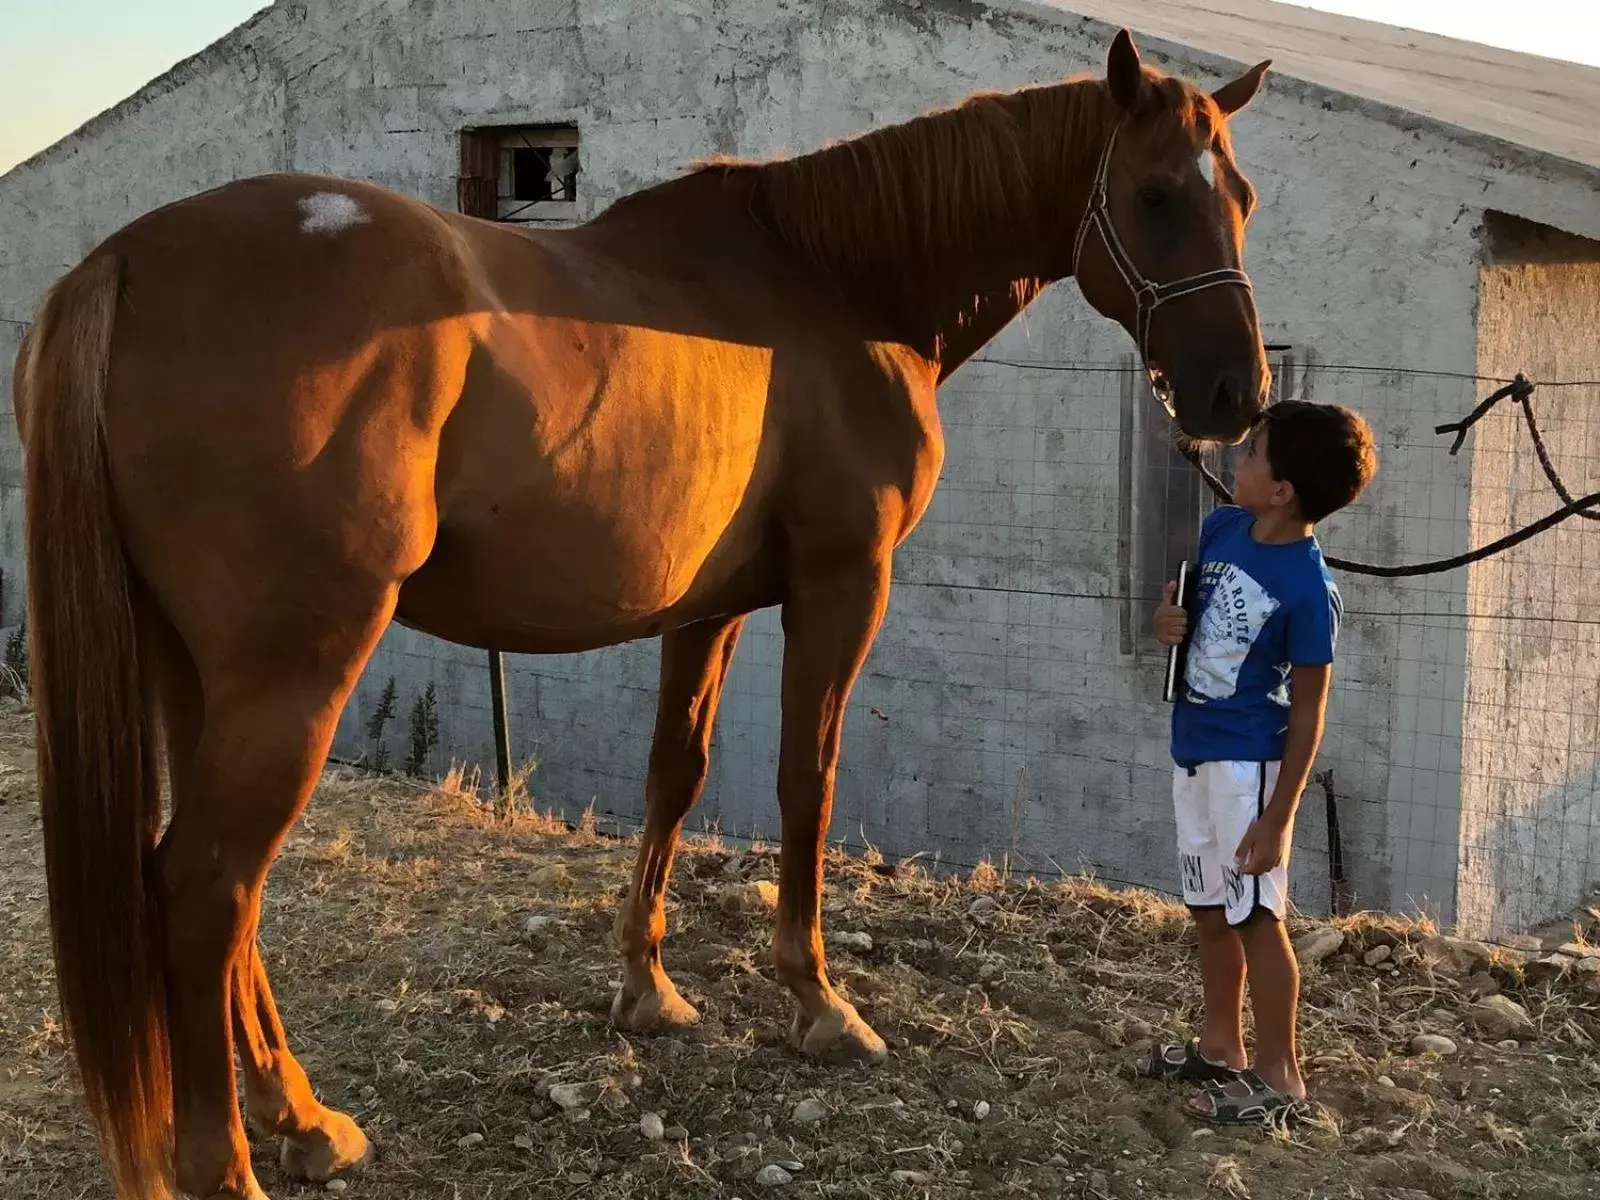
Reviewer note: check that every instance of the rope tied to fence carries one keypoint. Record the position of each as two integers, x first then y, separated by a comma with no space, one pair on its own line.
1520,390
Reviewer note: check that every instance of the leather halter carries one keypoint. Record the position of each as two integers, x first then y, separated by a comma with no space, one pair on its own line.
1147,296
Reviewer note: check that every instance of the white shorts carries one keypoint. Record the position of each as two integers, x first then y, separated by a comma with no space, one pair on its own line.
1215,804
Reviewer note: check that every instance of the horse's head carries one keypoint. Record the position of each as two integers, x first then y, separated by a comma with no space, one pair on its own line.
1161,243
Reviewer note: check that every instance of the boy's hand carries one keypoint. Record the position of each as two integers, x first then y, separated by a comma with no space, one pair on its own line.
1265,845
1172,622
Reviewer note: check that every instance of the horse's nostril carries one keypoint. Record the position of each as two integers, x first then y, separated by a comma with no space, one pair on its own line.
1229,394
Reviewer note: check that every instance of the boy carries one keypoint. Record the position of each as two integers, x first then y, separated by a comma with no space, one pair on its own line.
1245,731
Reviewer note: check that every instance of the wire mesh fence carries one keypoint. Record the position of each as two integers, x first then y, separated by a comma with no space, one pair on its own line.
1011,711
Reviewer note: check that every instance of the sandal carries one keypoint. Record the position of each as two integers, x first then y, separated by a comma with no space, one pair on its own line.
1259,1103
1183,1062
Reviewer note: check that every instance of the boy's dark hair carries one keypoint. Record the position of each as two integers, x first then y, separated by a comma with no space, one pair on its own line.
1324,451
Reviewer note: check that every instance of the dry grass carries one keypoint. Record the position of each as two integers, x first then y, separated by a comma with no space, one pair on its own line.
397,931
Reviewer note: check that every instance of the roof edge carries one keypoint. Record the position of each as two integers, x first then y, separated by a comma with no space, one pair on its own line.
1406,119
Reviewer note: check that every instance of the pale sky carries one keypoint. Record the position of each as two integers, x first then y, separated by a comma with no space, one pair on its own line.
63,61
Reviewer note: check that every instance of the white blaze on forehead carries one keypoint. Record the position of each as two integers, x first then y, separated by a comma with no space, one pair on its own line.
1208,167
329,212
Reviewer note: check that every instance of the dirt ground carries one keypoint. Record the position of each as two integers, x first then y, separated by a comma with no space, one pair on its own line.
441,967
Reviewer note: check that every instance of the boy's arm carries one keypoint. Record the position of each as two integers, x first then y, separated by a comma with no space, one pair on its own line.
1313,629
1308,704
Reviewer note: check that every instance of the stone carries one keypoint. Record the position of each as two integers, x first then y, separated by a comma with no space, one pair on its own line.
522,1142
470,1140
1432,1043
652,1127
1480,985
1508,1045
983,906
569,1097
1578,950
1542,970
1501,1017
537,924
911,1178
772,1175
860,943
809,1112
337,1186
1320,943
1587,966
1462,955
1525,942
760,896
980,1110
1377,955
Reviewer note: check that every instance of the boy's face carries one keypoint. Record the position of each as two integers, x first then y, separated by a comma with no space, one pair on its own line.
1254,488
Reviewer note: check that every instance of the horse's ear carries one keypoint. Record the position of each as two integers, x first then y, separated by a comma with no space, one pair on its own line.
1231,97
1124,74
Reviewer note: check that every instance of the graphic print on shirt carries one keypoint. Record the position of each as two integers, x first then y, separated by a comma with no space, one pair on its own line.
1235,610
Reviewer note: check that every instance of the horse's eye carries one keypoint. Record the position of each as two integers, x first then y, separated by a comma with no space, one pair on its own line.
1153,196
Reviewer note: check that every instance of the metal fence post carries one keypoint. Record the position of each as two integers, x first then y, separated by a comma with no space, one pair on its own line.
502,736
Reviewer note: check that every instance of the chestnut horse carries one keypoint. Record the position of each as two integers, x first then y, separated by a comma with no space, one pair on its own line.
264,421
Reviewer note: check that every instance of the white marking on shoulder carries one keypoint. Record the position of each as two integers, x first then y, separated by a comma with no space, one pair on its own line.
329,212
1207,163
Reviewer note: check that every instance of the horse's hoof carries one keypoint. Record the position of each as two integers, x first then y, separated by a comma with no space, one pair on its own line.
838,1035
251,1192
338,1147
660,1010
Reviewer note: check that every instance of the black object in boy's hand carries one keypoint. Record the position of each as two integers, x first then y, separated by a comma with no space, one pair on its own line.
1177,656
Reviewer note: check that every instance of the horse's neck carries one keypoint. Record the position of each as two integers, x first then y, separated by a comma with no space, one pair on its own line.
973,290
932,222
973,328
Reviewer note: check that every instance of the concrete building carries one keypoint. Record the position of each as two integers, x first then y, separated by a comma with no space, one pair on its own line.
1426,207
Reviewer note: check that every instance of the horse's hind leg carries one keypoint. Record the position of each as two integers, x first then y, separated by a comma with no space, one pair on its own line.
272,699
829,622
694,663
318,1142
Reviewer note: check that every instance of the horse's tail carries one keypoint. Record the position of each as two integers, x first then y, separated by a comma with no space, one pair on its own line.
99,784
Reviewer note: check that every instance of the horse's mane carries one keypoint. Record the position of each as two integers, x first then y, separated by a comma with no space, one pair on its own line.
936,184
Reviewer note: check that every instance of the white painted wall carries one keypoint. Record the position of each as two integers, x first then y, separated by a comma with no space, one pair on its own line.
997,710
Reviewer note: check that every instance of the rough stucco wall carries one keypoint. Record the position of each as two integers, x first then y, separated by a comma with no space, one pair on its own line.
1530,822
1006,714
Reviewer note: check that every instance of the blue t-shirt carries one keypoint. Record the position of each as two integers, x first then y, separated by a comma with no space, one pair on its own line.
1259,610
